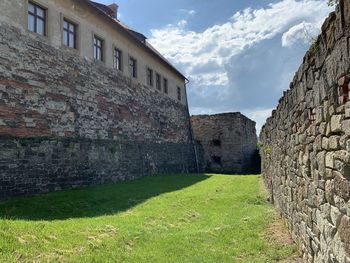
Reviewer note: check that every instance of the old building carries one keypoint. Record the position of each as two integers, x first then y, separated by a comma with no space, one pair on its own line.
84,100
228,141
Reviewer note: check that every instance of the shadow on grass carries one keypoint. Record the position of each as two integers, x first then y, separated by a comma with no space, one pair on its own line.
95,201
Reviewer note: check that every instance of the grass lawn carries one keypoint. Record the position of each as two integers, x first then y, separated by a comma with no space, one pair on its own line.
179,218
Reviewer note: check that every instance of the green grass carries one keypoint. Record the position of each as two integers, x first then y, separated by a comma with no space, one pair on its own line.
179,218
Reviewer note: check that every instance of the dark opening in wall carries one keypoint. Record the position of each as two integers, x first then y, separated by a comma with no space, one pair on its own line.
216,143
216,159
296,127
312,115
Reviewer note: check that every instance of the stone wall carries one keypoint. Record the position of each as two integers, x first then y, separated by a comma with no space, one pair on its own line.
306,146
229,142
67,122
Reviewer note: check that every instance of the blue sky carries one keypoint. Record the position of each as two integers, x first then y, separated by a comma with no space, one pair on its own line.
238,54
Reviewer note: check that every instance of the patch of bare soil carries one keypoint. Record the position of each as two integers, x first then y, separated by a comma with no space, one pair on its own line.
277,232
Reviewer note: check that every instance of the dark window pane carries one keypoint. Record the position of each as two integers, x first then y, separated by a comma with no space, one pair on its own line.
158,84
98,49
178,93
117,59
150,77
36,19
165,85
132,66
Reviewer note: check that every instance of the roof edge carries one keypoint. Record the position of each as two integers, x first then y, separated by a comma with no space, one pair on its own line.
132,36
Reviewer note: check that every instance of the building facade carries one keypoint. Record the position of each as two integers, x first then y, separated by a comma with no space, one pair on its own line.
228,141
84,100
92,30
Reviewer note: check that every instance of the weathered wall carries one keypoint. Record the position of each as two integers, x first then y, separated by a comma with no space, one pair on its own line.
91,124
90,22
228,140
306,147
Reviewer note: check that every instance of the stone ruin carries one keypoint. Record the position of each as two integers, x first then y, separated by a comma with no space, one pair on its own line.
228,142
306,146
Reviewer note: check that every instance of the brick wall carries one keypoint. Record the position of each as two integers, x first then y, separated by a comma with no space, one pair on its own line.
305,151
88,124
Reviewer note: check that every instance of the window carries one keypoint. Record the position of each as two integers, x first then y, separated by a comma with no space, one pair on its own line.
117,59
216,159
69,34
216,143
36,19
149,77
158,82
133,67
179,93
98,49
165,86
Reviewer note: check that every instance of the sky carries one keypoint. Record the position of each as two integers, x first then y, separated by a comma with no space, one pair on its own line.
239,55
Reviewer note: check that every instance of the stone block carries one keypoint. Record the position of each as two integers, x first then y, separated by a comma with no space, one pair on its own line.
336,124
347,109
329,192
344,233
330,160
342,187
331,110
319,115
343,81
325,143
345,127
321,161
322,128
336,216
334,142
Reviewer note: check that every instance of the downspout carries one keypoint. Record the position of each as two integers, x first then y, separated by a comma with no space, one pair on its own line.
190,127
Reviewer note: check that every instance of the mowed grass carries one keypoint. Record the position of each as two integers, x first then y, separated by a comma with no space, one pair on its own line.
178,218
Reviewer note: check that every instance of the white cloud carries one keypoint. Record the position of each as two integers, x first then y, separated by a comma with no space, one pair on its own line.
182,23
259,116
219,43
301,33
244,63
188,12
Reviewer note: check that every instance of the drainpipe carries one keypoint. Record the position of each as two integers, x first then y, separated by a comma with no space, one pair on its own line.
190,126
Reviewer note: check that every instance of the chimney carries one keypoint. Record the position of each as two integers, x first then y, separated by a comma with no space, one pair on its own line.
114,9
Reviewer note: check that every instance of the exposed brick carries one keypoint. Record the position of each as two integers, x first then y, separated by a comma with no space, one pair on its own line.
65,124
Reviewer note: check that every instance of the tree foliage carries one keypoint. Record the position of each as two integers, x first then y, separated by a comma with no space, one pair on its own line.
333,2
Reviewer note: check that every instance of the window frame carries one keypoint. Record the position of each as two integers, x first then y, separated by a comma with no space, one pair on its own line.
75,33
120,59
158,81
150,77
36,17
165,85
179,93
95,46
132,68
